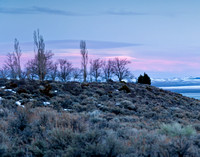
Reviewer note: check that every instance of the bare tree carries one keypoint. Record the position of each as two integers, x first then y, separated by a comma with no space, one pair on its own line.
10,65
120,68
76,74
17,58
12,62
4,72
31,70
42,61
95,68
84,61
53,71
65,69
107,67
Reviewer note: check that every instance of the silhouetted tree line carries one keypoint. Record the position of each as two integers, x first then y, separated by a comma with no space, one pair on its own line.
42,67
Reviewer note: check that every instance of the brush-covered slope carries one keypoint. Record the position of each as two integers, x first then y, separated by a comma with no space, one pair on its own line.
95,119
141,103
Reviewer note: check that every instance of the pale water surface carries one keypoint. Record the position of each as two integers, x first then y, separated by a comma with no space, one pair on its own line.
189,91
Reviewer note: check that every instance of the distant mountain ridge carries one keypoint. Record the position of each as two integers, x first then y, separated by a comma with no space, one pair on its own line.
186,81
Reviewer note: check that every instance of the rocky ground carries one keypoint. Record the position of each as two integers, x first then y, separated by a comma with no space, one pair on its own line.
141,117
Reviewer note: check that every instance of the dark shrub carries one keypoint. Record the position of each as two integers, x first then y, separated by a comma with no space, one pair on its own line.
18,125
110,81
46,90
11,84
87,144
144,79
21,90
58,141
38,148
125,88
114,147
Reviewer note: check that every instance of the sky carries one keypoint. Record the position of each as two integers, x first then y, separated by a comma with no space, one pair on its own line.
161,38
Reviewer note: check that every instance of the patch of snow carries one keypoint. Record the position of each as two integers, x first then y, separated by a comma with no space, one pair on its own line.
55,91
1,99
117,104
3,87
66,109
31,99
46,103
99,105
9,90
19,104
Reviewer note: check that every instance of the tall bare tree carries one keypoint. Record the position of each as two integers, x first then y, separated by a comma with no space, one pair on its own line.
10,65
107,67
120,68
84,60
17,58
95,68
65,69
13,61
42,60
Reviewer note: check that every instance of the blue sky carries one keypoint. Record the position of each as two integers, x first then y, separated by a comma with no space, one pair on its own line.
160,37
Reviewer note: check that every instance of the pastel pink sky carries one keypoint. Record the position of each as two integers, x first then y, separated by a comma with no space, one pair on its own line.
155,65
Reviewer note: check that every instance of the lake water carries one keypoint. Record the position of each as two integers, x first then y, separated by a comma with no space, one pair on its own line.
189,91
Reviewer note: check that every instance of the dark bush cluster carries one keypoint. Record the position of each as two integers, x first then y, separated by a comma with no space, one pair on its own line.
145,79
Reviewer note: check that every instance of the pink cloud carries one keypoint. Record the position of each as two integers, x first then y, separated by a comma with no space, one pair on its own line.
138,61
163,65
